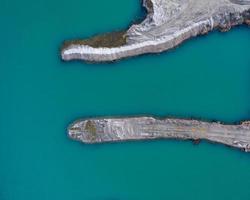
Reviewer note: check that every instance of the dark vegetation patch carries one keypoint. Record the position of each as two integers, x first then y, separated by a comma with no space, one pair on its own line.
113,39
90,127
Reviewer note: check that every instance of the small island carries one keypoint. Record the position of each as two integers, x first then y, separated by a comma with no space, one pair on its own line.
146,128
168,23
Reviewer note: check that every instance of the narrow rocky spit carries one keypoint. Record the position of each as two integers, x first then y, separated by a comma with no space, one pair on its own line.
146,128
168,24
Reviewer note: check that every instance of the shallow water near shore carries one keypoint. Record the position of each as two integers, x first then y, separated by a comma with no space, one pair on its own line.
206,78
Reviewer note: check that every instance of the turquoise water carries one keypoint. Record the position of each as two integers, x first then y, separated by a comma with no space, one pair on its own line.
207,77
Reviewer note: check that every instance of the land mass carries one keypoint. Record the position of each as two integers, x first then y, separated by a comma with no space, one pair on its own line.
168,23
146,128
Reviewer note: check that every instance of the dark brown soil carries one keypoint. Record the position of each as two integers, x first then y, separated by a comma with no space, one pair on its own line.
114,39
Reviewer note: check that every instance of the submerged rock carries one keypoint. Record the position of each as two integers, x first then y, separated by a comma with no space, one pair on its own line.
145,128
168,23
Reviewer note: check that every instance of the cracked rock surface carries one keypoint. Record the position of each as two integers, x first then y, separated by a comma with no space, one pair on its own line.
145,128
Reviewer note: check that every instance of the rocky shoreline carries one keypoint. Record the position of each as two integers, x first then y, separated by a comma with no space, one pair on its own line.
100,130
168,24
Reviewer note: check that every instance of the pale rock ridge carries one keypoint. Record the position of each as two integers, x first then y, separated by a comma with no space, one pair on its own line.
145,128
168,23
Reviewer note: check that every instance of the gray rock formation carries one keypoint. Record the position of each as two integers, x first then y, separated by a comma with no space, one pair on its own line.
168,23
140,128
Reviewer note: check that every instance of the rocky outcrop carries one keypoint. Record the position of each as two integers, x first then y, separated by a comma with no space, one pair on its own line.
168,23
146,128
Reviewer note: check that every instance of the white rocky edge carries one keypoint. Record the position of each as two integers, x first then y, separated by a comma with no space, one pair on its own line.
168,23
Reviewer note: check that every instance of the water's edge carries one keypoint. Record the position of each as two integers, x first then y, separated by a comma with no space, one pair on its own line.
140,39
100,130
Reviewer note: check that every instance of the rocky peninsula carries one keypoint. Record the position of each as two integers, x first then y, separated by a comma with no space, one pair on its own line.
146,128
168,23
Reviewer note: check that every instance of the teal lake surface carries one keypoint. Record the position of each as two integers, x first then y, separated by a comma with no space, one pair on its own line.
206,78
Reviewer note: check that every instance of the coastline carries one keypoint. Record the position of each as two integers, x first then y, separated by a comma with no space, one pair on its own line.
167,25
103,130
